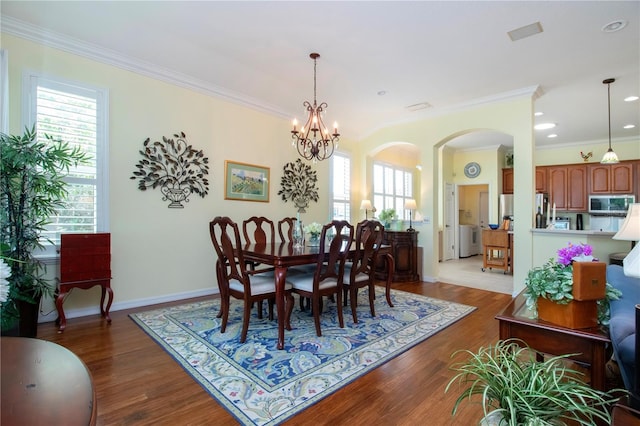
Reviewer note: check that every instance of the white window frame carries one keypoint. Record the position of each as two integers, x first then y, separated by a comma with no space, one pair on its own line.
30,82
393,199
346,200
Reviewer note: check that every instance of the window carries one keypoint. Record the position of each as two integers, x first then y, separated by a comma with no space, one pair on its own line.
392,186
77,114
340,187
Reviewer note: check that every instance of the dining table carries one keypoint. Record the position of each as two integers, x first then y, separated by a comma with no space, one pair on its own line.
282,255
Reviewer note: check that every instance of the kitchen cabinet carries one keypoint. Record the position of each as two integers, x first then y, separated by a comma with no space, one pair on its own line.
568,187
507,181
404,249
611,178
541,180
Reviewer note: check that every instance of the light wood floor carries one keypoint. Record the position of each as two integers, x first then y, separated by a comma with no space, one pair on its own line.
138,383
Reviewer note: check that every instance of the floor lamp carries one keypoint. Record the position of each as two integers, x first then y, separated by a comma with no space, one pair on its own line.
630,231
410,205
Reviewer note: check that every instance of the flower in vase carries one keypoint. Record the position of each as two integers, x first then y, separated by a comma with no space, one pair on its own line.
314,229
575,253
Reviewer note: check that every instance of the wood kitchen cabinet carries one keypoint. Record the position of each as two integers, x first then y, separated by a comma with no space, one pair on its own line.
611,178
404,249
507,181
568,187
541,180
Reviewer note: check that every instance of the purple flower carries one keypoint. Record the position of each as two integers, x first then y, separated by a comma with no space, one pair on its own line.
567,254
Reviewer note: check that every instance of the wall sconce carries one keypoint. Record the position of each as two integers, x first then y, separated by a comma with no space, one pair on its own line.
410,205
366,206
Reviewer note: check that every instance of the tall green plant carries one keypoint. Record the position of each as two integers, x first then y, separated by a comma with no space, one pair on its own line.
509,379
32,189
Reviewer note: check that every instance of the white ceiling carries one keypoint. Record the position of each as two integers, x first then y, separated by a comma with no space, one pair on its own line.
450,54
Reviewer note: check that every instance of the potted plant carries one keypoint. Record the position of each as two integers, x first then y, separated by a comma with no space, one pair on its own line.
554,282
516,389
31,190
387,216
313,229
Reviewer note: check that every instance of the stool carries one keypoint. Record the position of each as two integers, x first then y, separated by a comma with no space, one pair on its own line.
616,258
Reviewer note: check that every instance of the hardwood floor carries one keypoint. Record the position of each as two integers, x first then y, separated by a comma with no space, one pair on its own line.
137,382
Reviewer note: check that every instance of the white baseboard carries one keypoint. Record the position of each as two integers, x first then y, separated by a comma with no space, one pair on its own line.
130,304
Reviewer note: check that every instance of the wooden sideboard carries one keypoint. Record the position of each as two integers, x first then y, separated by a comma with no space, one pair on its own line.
403,246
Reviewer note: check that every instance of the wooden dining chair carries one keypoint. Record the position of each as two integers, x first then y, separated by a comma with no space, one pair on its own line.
326,280
259,230
235,279
285,229
360,272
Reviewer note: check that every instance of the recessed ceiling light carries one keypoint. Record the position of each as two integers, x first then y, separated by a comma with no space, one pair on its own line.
629,126
544,126
382,93
614,26
552,135
538,114
630,98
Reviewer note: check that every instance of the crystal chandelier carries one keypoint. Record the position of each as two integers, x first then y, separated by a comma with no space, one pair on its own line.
313,141
610,157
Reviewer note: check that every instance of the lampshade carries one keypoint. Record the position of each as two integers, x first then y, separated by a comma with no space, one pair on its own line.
366,205
630,231
410,204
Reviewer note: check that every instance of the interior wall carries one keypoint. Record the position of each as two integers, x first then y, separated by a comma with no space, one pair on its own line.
160,253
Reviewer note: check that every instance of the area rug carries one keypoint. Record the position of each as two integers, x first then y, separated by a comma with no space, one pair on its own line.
261,385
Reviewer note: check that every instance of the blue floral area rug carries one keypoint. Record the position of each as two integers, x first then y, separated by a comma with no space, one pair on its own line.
261,385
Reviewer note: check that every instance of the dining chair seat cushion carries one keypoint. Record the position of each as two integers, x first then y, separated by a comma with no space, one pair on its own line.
305,282
358,278
259,284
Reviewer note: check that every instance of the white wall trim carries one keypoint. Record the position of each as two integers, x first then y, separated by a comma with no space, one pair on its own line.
129,304
18,28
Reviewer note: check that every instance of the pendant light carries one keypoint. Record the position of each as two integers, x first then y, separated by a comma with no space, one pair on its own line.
610,157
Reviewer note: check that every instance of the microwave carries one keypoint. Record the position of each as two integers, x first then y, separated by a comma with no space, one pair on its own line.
610,204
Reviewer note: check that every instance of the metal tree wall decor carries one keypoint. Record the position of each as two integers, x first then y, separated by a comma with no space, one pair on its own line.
175,167
298,185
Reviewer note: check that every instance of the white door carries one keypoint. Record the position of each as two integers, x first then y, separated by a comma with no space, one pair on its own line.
449,222
483,216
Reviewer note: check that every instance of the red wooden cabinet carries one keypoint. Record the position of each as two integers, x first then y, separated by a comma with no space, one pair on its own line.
85,261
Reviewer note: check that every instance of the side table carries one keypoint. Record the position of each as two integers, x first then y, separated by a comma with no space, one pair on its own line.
592,345
44,383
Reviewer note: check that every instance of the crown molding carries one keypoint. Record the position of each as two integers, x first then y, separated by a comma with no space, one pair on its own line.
18,28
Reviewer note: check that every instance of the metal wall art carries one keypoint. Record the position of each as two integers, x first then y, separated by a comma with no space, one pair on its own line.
175,167
298,185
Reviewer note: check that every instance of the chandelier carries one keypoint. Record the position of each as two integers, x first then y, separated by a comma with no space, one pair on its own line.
313,141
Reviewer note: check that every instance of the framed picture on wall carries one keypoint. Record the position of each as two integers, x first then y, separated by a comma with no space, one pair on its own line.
246,182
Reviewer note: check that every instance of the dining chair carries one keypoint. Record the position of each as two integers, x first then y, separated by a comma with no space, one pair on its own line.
235,279
326,280
259,230
285,229
360,272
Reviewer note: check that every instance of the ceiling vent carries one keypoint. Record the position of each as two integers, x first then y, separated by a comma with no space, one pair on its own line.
526,31
418,107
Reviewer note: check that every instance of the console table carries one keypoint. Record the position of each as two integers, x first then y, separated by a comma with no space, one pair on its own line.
403,246
44,383
592,345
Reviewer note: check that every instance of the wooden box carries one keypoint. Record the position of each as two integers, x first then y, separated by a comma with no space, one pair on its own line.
575,314
589,280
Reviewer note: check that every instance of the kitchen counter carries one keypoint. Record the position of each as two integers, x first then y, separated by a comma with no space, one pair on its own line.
586,232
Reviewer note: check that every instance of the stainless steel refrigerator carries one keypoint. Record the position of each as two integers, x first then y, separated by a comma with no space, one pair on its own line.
505,207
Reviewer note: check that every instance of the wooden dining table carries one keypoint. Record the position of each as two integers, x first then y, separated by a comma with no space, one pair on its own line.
284,255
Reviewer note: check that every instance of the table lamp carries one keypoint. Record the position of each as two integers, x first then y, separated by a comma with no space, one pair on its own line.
630,231
410,205
366,206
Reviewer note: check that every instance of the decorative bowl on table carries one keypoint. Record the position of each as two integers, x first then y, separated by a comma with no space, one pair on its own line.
493,226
